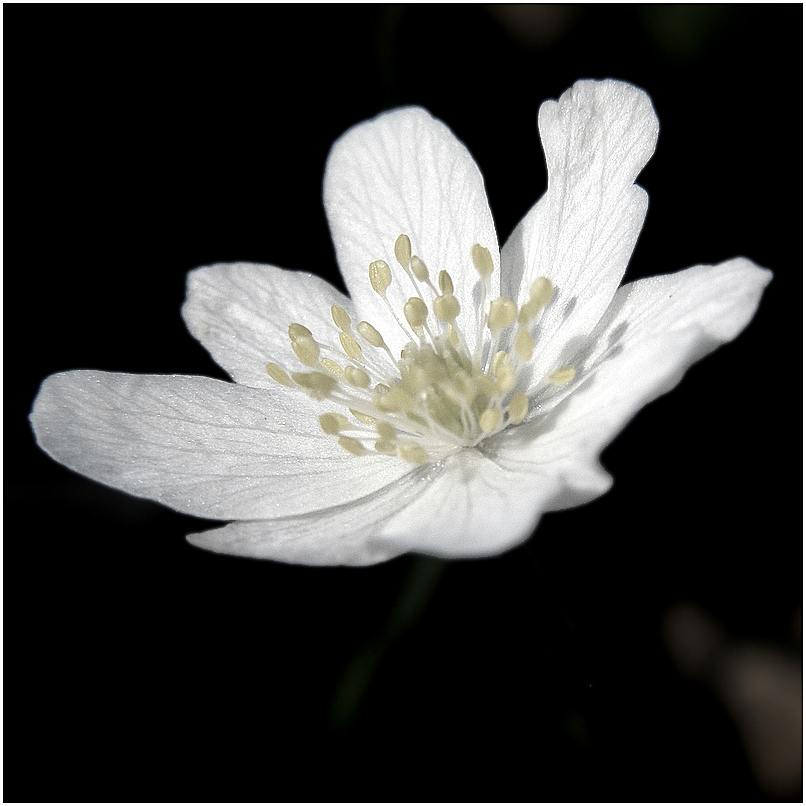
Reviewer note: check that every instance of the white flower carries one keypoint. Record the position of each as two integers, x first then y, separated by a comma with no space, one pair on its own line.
456,395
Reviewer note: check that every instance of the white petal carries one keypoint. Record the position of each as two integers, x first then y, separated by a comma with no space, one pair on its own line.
202,446
581,234
405,173
473,506
240,312
654,330
339,535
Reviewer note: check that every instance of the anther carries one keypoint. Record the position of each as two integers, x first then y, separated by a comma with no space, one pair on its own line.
562,376
386,431
350,346
279,374
403,250
524,345
380,276
446,307
482,260
331,366
416,313
371,335
518,408
297,331
419,268
490,420
445,283
413,453
356,376
363,418
316,384
341,318
541,291
352,446
306,349
502,314
529,311
333,423
386,448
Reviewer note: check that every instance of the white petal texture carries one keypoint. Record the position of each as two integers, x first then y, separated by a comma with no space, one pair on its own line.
349,451
406,173
202,446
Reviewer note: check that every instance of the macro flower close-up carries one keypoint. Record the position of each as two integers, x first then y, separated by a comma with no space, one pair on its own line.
462,388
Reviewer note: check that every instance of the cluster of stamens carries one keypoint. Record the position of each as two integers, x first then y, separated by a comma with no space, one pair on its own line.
437,396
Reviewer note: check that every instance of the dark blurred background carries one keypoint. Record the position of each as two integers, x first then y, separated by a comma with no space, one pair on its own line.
644,647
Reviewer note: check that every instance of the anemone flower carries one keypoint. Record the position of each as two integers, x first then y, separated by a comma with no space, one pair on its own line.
456,394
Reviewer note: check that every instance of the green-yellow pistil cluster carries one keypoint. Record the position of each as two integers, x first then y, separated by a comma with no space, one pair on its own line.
436,396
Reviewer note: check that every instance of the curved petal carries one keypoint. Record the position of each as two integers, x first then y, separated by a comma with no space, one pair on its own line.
338,535
240,312
202,446
465,506
406,173
654,330
580,235
473,506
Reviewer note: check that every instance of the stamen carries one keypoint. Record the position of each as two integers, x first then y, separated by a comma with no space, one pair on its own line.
562,376
518,408
403,250
541,291
446,307
502,314
419,269
352,446
416,313
437,396
341,318
482,260
350,346
380,277
332,423
279,374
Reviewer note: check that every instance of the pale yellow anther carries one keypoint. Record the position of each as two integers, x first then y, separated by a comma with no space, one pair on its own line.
482,260
356,376
386,431
529,310
396,399
350,346
363,418
446,307
332,423
279,374
381,389
445,283
490,420
316,384
297,331
416,313
503,313
506,379
403,250
341,318
500,361
369,333
331,366
419,268
541,291
386,448
380,276
306,349
352,446
524,345
562,376
414,454
518,408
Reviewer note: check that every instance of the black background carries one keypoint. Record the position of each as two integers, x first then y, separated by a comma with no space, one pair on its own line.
143,141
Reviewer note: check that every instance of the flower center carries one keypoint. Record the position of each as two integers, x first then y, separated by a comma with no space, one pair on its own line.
437,396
